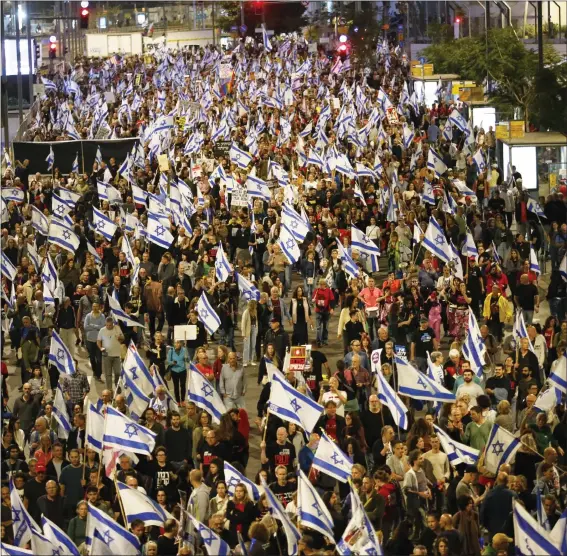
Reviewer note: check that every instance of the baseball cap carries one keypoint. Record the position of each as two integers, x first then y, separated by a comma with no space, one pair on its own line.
274,319
40,468
471,469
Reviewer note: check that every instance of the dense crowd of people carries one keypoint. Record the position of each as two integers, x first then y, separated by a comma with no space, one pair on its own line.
332,167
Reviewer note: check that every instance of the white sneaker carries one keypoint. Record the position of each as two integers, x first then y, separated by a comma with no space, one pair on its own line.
245,365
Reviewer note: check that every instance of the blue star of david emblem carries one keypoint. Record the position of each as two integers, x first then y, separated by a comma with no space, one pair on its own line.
497,448
203,313
247,295
203,531
16,514
207,390
372,551
66,234
337,459
439,240
236,157
294,224
107,538
56,552
315,506
100,224
289,243
60,354
233,481
131,430
422,383
160,230
295,405
60,209
366,239
134,370
528,548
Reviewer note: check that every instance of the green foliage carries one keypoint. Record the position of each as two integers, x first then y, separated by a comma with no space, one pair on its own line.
227,14
440,32
502,58
551,90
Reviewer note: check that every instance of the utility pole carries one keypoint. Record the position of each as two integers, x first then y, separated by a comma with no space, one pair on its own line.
30,53
540,34
19,63
214,30
4,89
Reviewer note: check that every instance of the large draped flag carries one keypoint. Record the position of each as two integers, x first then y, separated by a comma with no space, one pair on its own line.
330,459
436,242
293,406
239,157
366,246
124,433
558,375
8,269
417,385
387,395
61,235
456,452
277,511
103,225
294,223
157,232
61,414
233,477
223,268
94,428
119,314
534,263
288,245
214,545
529,536
60,356
22,522
135,398
11,550
114,536
563,268
500,448
473,348
140,506
435,163
207,315
359,536
203,394
58,538
247,290
313,513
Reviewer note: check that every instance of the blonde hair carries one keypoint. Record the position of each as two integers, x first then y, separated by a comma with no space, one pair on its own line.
503,407
252,304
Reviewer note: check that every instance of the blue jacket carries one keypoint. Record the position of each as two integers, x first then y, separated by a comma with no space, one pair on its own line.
176,361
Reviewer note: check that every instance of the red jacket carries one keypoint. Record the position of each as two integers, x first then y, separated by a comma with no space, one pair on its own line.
323,298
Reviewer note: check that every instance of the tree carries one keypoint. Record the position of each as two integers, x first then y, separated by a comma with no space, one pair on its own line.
551,89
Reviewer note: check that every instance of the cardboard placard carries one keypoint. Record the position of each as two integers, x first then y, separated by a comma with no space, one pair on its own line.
185,332
298,356
222,148
163,162
239,197
392,115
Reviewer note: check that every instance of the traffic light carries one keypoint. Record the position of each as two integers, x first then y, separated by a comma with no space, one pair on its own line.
52,50
258,7
85,18
458,19
37,47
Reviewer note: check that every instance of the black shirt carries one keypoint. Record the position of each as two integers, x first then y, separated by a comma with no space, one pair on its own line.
32,492
423,340
280,455
526,294
284,493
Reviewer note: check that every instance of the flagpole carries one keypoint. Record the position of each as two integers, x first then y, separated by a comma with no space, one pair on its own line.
266,425
120,500
83,156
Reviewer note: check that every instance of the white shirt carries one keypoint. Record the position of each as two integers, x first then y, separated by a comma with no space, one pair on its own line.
333,397
472,389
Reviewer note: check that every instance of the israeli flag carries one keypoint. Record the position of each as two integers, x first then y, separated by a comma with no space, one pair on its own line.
542,518
349,265
62,236
247,290
417,232
157,232
60,356
470,249
13,194
530,537
563,268
417,385
473,348
203,395
387,395
456,119
42,545
49,274
330,459
114,536
69,197
207,314
140,196
139,506
315,158
58,538
495,254
277,511
98,156
7,268
103,225
136,399
363,171
94,253
61,414
125,434
258,188
233,477
239,157
428,196
293,406
34,256
519,329
360,241
559,533
213,543
358,194
307,130
546,400
534,264
94,428
119,314
436,242
456,452
409,136
50,159
40,222
378,167
479,160
456,260
59,207
294,223
313,513
558,375
435,163
288,245
11,550
500,448
127,250
22,522
75,166
391,214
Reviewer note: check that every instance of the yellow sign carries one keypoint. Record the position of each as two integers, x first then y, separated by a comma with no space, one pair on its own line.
163,162
457,85
552,180
181,122
517,129
502,131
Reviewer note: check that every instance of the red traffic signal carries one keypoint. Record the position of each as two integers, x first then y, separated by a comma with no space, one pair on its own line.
52,50
342,48
85,18
458,20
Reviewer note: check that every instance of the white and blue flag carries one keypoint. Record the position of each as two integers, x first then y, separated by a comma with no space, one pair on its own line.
559,533
530,537
137,505
330,459
60,234
94,428
60,356
534,263
75,166
11,550
293,406
13,194
7,268
103,225
479,160
239,157
563,268
203,394
436,242
50,159
349,265
558,375
157,232
247,290
456,452
265,39
39,221
288,245
258,188
435,163
125,434
98,156
223,268
207,315
535,207
214,545
417,385
428,196
233,477
22,523
119,314
59,207
500,448
366,246
473,347
470,249
61,414
114,536
313,513
294,223
135,398
58,538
